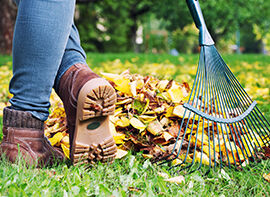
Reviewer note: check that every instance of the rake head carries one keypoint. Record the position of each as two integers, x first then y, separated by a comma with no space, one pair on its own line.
221,125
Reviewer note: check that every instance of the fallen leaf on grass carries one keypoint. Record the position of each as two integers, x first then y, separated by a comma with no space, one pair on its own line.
163,174
267,177
120,153
177,179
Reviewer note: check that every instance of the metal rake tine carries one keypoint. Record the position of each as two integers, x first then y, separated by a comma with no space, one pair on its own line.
194,95
229,105
219,109
208,128
193,92
245,93
219,115
225,110
230,98
198,125
242,96
214,88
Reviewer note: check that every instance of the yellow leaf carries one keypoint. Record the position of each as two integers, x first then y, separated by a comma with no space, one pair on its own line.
125,101
140,84
177,162
199,139
119,138
205,158
122,122
232,152
165,96
159,109
65,140
65,150
147,156
136,123
118,110
169,112
188,158
122,83
176,93
56,138
147,119
164,121
146,106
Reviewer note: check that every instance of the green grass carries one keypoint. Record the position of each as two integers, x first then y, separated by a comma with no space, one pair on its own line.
133,175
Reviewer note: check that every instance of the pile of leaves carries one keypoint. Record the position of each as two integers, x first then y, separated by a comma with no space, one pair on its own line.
147,119
147,116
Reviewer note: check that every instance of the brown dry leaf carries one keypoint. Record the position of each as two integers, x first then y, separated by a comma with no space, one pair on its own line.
174,130
267,152
154,127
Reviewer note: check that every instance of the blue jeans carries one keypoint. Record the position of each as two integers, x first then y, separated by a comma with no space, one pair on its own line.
45,44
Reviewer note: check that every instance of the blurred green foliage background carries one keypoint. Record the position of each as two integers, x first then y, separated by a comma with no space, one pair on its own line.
160,26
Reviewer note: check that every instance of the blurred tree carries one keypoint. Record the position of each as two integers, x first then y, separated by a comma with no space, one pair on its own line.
7,21
111,25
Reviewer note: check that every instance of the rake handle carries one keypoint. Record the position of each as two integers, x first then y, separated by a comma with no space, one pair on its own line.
196,13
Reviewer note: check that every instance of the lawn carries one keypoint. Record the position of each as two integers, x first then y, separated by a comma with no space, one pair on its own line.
133,175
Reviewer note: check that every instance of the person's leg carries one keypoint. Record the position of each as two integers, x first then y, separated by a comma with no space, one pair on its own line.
41,33
73,54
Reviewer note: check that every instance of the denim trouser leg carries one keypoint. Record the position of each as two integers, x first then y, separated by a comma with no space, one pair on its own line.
73,54
41,35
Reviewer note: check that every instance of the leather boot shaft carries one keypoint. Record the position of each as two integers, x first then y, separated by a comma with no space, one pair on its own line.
23,135
69,87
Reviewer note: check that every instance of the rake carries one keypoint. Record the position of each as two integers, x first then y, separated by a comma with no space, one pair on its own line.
221,124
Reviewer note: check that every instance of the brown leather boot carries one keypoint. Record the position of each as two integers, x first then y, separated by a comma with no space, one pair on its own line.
23,133
88,102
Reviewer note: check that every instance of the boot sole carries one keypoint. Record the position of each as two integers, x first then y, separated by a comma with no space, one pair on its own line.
93,140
